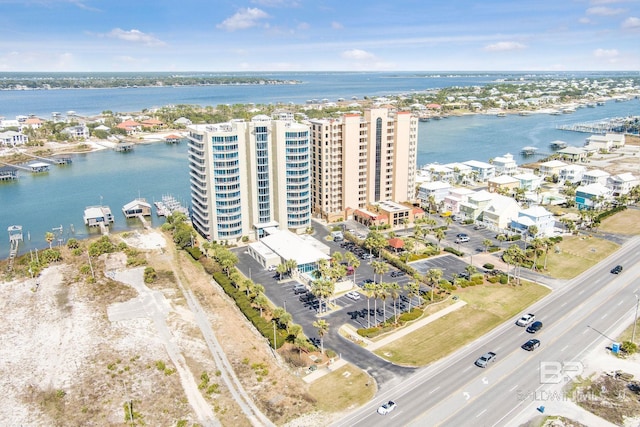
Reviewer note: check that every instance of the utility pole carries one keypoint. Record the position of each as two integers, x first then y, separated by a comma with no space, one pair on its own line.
274,335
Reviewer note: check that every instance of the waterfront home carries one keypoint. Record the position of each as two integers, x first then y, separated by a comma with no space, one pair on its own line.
482,171
33,123
551,168
505,165
137,207
502,183
130,126
572,173
12,138
536,216
152,123
456,196
592,196
595,176
435,172
78,132
573,154
10,123
529,181
96,215
182,121
606,142
438,190
461,172
622,183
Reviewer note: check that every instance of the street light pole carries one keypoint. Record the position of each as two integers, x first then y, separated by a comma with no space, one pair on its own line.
635,320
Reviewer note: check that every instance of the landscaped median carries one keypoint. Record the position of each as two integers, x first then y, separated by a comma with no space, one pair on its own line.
486,307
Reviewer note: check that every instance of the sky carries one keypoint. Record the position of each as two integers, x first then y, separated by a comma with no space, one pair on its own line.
319,35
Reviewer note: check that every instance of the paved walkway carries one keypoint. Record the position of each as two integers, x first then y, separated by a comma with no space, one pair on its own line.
374,345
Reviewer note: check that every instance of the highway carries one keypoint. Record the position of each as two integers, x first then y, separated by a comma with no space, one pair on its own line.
577,318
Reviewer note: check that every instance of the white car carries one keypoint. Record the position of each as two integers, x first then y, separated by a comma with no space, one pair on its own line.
353,295
526,319
271,268
387,407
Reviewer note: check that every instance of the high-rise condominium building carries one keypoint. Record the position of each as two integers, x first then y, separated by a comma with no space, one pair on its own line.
362,159
249,176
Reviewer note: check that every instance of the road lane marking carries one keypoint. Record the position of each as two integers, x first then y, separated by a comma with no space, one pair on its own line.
585,331
514,387
481,412
620,303
605,315
563,304
434,390
469,367
564,348
581,292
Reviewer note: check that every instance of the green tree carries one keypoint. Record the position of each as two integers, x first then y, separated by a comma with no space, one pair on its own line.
439,235
394,292
226,259
413,290
49,236
379,267
261,302
486,243
370,291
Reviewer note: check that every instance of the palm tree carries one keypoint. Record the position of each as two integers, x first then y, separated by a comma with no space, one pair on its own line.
383,293
439,235
323,327
501,238
433,277
394,291
369,291
486,243
413,290
226,259
471,269
281,269
536,244
380,268
261,301
291,265
548,243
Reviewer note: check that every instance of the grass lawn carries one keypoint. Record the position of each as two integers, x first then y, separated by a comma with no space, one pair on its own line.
625,222
487,307
345,388
577,254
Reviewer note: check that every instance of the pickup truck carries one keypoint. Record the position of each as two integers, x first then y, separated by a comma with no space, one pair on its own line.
485,359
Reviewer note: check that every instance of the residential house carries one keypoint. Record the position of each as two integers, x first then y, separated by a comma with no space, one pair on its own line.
453,200
552,168
594,176
573,154
130,126
12,138
572,173
592,196
152,123
461,172
436,172
500,211
505,165
529,181
476,203
622,183
606,142
535,216
482,171
78,132
182,121
502,182
33,123
439,190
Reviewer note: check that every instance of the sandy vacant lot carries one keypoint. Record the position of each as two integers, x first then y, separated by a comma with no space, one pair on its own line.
81,353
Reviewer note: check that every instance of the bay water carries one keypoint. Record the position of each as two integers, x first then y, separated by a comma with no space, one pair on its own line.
55,201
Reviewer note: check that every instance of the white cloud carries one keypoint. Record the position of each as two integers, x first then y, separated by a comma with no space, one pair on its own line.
357,54
303,26
243,19
135,36
605,53
336,25
631,23
504,46
584,20
276,3
604,11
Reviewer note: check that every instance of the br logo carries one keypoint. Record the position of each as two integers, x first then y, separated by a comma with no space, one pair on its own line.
558,372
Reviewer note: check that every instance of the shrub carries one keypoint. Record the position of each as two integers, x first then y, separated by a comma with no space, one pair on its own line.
488,266
453,251
514,237
493,249
629,347
150,275
195,252
493,279
408,316
368,332
504,279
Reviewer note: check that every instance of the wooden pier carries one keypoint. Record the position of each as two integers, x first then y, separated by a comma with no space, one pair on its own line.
8,173
15,237
56,160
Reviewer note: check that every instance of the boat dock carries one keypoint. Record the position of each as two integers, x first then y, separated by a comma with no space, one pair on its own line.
54,160
8,173
618,124
15,237
169,205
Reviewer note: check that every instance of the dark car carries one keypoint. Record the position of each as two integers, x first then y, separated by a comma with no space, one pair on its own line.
461,235
308,297
531,345
397,273
617,269
534,327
